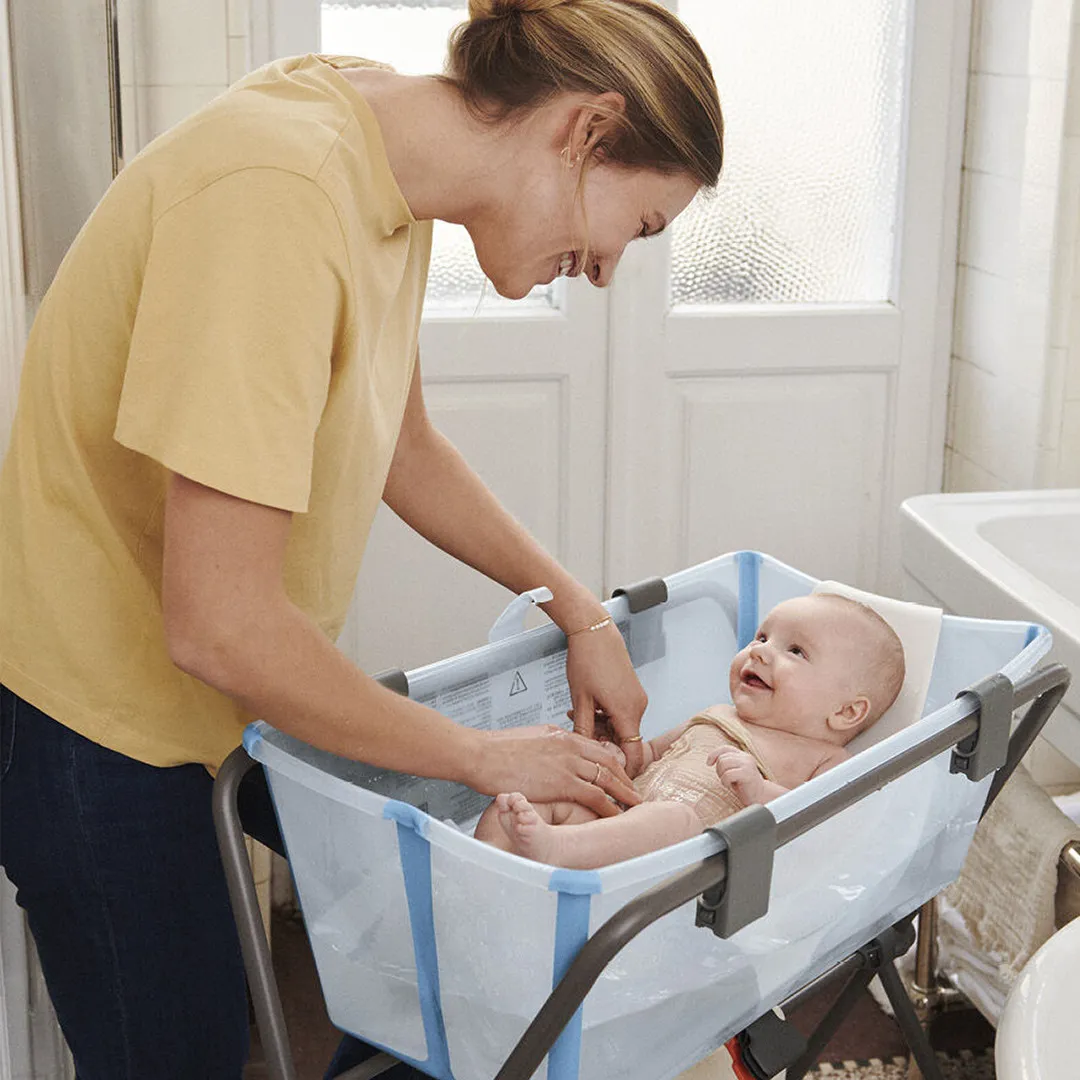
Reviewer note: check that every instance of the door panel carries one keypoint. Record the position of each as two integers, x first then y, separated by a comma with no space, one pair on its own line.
447,606
790,464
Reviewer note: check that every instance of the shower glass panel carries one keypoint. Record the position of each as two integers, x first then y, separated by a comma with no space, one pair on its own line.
806,208
411,35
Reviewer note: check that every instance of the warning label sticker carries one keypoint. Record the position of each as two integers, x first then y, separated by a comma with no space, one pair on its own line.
535,693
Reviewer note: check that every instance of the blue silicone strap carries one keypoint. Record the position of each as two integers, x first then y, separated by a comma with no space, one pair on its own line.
412,827
749,563
575,889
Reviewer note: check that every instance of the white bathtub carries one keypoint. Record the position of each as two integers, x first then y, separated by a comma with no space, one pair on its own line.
1004,555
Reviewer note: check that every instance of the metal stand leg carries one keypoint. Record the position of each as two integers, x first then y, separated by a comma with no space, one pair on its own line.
830,1023
908,1020
245,905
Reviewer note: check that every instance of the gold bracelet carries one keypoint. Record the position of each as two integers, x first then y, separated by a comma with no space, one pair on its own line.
632,738
595,626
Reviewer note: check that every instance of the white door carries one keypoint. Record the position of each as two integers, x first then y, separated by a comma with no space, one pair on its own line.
779,363
771,374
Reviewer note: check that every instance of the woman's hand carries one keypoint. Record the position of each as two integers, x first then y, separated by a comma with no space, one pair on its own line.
547,764
602,679
739,772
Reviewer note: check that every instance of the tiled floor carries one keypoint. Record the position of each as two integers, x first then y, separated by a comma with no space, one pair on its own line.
867,1034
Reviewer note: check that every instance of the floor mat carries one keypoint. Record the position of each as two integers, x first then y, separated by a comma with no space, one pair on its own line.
965,1065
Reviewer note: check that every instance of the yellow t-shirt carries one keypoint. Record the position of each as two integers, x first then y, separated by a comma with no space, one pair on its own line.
241,308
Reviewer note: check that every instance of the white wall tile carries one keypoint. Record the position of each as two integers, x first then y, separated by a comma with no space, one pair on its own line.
1053,399
1001,47
1069,447
131,120
1045,128
1072,368
125,43
984,320
990,236
1048,51
168,105
185,43
997,125
962,474
238,15
996,425
1072,109
1035,240
1030,336
239,58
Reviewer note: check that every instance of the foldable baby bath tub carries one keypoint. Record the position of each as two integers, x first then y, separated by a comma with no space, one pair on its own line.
442,950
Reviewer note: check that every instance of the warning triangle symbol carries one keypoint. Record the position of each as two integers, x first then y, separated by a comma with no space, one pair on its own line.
518,685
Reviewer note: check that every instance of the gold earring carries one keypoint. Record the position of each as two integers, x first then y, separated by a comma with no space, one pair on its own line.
565,155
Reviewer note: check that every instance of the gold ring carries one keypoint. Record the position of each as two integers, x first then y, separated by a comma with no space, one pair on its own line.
631,738
599,769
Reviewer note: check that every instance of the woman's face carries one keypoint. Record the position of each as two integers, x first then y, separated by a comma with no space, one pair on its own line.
543,231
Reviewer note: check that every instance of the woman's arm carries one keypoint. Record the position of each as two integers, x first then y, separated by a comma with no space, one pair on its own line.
229,622
433,489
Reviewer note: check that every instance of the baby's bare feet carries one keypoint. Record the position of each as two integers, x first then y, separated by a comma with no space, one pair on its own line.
529,835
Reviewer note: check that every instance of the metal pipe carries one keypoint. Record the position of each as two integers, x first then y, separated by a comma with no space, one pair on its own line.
245,904
116,127
924,983
1070,858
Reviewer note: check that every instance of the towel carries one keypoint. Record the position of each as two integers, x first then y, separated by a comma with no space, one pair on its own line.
1005,894
918,628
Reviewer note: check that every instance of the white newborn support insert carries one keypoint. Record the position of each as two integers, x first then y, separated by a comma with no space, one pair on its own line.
441,949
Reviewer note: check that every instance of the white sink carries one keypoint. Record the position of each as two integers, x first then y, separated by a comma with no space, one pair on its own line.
1036,1039
1004,555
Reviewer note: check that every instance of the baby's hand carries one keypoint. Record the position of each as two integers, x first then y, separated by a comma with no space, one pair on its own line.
738,771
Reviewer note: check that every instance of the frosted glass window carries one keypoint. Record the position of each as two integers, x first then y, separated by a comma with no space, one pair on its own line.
806,207
411,35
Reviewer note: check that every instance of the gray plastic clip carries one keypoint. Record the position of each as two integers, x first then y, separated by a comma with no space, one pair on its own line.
643,595
985,751
743,895
394,679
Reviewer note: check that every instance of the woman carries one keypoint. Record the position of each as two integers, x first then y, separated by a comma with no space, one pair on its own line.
218,388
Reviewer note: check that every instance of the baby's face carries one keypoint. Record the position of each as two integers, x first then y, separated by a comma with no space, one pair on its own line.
797,671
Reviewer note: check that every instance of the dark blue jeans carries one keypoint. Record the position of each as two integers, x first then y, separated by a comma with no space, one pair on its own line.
117,867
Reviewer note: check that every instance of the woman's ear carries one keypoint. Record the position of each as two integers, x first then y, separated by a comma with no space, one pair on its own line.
595,120
850,716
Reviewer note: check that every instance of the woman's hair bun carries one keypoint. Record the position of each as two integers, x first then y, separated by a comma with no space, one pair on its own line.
494,9
512,56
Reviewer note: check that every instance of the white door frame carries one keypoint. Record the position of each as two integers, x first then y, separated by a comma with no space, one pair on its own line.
12,290
30,1039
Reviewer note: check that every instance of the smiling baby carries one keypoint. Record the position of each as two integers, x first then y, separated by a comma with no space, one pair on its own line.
821,669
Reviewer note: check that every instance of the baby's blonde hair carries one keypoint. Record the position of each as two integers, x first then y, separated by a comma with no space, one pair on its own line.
880,676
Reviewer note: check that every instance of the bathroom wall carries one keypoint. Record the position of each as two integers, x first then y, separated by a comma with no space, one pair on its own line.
1014,396
1014,408
175,58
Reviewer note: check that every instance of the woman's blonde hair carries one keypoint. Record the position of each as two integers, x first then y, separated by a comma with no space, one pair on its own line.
514,55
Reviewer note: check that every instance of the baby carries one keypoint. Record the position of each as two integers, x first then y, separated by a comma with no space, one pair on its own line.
821,669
